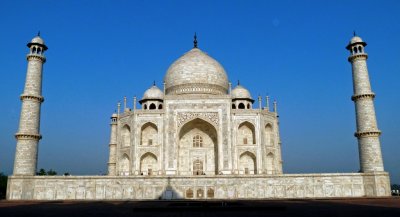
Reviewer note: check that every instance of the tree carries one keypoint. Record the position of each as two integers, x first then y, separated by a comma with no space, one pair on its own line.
51,172
3,185
42,172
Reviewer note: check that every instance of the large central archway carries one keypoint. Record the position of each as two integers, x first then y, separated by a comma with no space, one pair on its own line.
198,142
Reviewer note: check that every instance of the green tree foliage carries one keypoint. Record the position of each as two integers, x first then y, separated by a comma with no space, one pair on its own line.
42,172
51,172
3,185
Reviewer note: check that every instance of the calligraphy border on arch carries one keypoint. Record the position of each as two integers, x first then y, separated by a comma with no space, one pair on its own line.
184,117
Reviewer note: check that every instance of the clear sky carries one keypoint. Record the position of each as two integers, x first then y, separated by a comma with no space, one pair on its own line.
101,51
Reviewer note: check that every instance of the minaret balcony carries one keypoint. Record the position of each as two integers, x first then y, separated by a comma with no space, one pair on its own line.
40,57
363,56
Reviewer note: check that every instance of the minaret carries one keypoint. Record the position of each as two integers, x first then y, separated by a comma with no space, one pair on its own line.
276,108
113,146
28,134
367,130
267,103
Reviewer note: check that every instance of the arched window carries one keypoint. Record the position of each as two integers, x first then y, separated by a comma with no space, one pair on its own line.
210,193
148,164
198,167
233,106
247,163
246,133
149,134
248,106
34,50
200,193
152,106
126,136
189,193
124,165
145,106
354,49
241,106
359,49
269,136
160,106
197,141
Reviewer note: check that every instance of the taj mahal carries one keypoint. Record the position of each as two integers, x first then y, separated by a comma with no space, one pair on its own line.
196,137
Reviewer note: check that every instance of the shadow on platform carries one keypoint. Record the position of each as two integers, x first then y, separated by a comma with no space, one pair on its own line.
324,207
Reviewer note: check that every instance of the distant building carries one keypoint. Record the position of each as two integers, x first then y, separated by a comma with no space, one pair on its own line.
197,139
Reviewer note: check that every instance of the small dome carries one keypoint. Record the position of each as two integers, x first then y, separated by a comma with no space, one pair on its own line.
239,92
153,93
356,39
114,115
37,40
196,73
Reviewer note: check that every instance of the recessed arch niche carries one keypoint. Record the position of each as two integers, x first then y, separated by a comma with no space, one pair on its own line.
206,153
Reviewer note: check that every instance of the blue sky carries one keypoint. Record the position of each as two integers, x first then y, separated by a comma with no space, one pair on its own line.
101,51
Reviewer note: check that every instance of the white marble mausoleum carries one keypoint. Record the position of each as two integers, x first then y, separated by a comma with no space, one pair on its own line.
196,137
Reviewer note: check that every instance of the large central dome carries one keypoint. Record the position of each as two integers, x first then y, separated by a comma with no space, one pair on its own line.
196,73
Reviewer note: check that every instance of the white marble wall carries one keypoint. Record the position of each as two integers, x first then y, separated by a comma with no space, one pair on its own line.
28,134
225,186
216,112
367,128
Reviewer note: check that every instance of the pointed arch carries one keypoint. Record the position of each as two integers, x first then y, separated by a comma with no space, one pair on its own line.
126,135
192,135
124,165
152,106
189,193
246,133
270,163
160,106
149,134
200,193
148,164
269,138
210,193
247,163
241,106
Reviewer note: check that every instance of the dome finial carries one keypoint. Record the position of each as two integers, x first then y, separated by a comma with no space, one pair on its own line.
38,34
354,33
154,82
238,82
195,40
